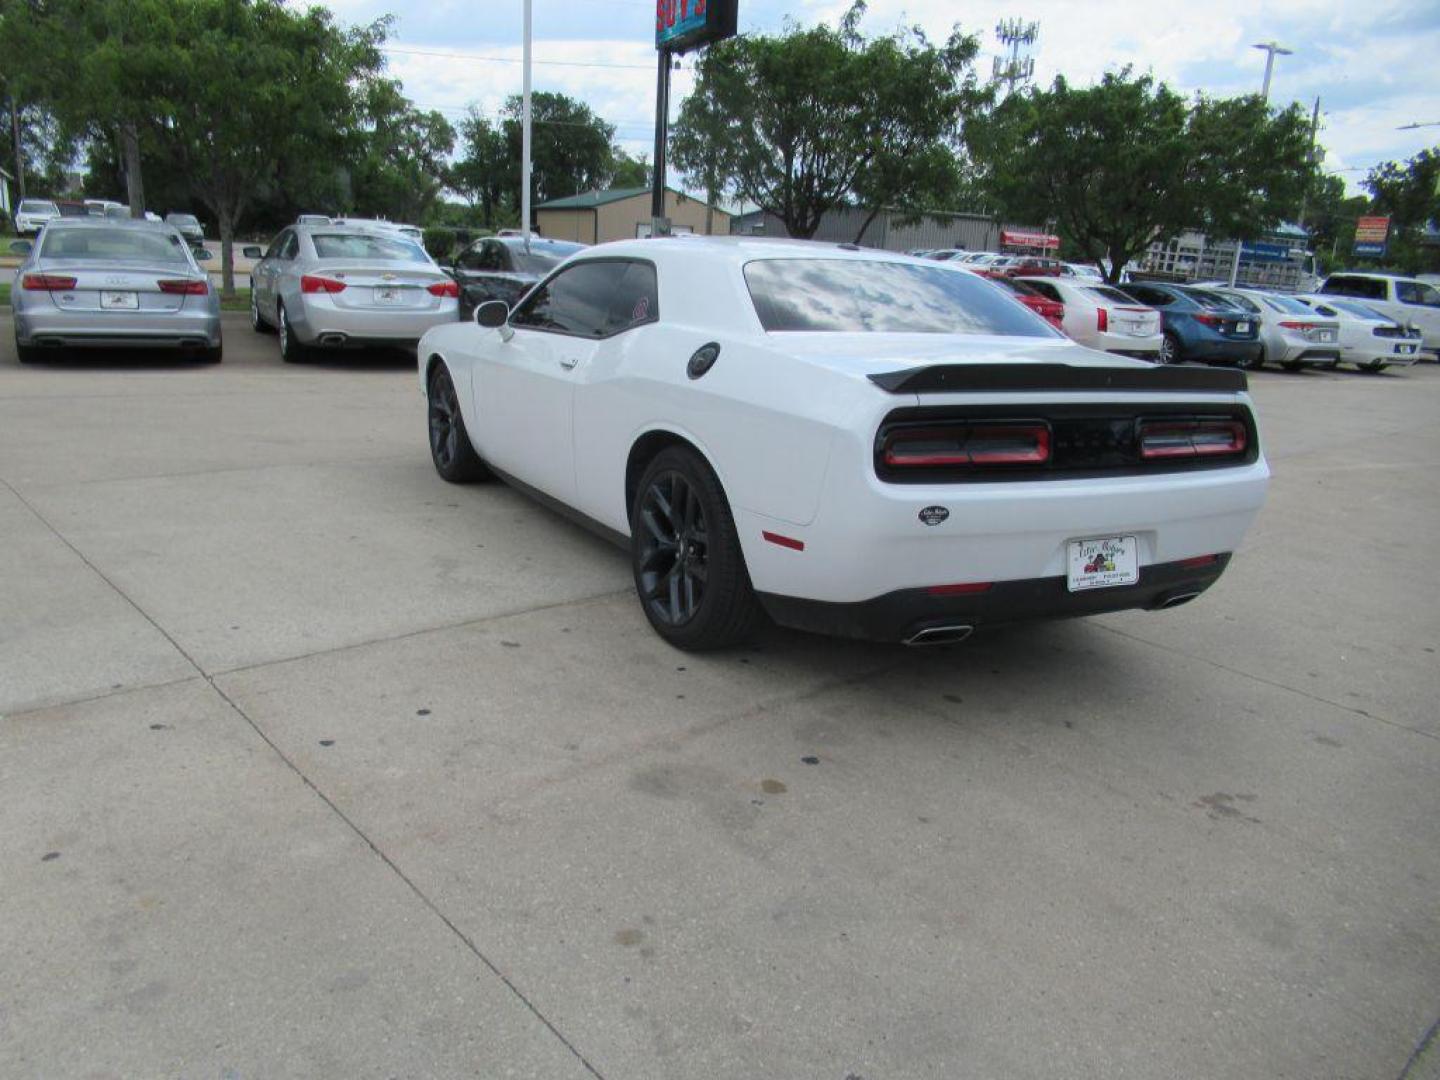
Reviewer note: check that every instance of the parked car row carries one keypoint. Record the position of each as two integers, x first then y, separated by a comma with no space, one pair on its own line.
32,215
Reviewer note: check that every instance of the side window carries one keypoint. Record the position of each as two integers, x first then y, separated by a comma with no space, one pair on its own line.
1044,288
635,302
576,301
291,247
1429,295
1363,288
1414,292
492,256
1153,297
469,258
273,252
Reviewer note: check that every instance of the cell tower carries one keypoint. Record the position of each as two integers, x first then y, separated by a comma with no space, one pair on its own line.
1015,69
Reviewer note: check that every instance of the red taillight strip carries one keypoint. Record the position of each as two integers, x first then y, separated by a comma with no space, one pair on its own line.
444,288
46,282
1194,438
784,541
966,444
313,283
184,287
1198,561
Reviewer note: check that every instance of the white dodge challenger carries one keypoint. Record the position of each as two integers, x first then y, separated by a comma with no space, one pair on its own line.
847,441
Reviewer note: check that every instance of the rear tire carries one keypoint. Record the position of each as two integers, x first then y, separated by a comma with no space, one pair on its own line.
1374,367
451,451
1170,352
1257,363
292,351
686,558
1292,365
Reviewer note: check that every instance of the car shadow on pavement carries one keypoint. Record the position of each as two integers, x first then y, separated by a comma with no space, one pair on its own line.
116,359
361,360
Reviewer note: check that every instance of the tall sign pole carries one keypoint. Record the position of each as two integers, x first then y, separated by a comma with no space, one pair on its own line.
680,25
525,132
1271,48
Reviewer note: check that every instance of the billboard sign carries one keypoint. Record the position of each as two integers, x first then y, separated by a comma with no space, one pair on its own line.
1258,252
1371,233
681,25
1022,238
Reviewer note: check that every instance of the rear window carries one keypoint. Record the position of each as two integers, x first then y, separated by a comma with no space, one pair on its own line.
1360,311
862,295
181,219
1244,303
1359,287
36,206
366,246
137,245
541,261
1286,304
1214,301
1115,296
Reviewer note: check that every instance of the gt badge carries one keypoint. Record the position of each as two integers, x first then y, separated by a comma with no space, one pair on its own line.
934,515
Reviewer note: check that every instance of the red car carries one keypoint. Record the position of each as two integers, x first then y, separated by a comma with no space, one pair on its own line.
1052,310
1034,266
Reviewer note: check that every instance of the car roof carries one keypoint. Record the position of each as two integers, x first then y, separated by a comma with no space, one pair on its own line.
738,250
1376,275
536,241
109,223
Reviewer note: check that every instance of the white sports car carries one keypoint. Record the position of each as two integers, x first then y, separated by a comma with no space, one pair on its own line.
853,442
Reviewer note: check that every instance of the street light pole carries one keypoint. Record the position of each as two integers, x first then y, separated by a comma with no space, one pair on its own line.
525,132
1272,49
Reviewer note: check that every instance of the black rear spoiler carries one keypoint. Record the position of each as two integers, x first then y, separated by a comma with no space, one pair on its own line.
1008,378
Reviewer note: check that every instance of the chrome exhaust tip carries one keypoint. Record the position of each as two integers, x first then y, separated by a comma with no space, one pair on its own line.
940,635
331,340
1177,600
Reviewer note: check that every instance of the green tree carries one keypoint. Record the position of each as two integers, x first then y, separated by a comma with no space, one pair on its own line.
401,167
569,146
1128,161
813,119
1409,192
483,173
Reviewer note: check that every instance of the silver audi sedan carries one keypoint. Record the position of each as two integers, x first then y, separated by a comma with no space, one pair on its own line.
336,286
96,283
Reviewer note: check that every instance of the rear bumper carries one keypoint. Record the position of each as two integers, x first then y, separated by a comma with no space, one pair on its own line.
1310,356
316,322
1221,350
42,326
901,615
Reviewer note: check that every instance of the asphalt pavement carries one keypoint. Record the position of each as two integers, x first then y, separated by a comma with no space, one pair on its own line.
312,765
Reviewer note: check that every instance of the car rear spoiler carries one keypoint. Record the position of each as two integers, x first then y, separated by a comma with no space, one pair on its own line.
1009,378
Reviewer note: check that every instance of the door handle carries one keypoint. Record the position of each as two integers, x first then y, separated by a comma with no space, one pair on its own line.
568,362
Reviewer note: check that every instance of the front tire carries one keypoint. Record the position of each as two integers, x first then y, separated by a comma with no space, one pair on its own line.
292,351
686,557
1170,349
451,451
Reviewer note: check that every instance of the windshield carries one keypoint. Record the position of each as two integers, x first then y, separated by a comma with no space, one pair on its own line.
182,219
367,246
863,295
127,245
37,206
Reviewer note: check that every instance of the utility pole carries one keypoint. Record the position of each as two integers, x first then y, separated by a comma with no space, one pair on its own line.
658,224
525,131
1272,49
1014,33
1310,157
19,156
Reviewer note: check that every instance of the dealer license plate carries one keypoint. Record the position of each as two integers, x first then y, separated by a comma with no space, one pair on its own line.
119,301
1102,563
387,294
1242,328
1325,335
1405,349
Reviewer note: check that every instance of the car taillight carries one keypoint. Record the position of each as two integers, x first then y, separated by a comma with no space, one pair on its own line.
1102,320
1291,324
1191,438
46,282
445,288
313,283
957,445
184,287
1210,320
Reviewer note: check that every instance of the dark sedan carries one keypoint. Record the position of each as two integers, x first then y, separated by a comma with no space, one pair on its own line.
1200,325
501,268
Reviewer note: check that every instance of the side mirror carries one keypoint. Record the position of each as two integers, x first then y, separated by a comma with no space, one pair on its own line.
253,252
492,314
21,247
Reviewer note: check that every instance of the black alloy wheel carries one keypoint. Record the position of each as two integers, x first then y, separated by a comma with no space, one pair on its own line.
688,565
450,449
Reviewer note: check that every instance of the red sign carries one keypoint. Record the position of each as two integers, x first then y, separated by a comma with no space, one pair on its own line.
1372,230
1018,238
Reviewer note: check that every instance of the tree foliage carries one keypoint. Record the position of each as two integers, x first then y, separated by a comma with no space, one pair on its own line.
813,119
1409,192
1128,161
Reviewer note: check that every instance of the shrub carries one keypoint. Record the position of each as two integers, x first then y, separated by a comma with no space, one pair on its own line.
438,242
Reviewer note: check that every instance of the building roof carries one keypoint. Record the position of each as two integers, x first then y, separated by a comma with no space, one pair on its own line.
588,200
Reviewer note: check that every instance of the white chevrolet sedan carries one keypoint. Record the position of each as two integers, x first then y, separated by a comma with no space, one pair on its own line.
847,441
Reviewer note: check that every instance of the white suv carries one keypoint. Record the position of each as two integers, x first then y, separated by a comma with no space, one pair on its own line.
32,214
1406,300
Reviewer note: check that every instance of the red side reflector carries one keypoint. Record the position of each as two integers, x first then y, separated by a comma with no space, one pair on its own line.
963,589
184,287
445,288
1200,560
784,541
1191,438
313,283
46,282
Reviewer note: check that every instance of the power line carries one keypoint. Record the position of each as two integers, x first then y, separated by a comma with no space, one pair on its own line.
454,55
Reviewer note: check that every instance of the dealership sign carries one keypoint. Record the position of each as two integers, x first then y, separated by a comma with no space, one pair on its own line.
1371,233
1022,239
1265,252
685,24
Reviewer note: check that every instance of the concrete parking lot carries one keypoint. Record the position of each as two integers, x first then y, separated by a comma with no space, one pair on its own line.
313,765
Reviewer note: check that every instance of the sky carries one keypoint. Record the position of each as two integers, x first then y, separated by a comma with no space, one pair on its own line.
1373,63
